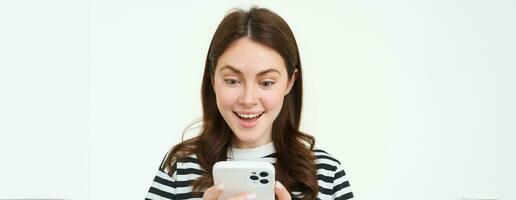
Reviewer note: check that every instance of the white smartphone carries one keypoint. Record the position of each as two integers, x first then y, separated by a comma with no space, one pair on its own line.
245,176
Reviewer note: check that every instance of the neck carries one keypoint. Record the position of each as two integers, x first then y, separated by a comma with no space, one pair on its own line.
249,145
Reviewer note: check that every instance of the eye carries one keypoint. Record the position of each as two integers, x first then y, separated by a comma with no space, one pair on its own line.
267,83
231,81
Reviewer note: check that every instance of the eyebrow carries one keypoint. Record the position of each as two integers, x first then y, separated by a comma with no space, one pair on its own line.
240,72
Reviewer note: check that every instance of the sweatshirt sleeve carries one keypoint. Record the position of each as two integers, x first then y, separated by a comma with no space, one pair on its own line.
333,181
341,187
163,186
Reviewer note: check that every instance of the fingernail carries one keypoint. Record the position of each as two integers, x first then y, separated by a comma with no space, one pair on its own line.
279,185
251,196
220,186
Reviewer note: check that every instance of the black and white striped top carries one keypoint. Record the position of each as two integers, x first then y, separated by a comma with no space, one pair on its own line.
332,180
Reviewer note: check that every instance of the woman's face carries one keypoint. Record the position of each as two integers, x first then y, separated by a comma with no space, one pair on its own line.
250,83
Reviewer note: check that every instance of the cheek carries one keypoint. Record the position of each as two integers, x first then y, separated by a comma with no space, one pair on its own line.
273,101
226,98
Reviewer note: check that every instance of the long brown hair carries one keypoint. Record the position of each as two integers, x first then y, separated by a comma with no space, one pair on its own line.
295,163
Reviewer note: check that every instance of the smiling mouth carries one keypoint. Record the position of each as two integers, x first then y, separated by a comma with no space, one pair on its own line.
248,116
248,120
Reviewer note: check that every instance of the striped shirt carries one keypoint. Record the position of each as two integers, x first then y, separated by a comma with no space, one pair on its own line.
332,180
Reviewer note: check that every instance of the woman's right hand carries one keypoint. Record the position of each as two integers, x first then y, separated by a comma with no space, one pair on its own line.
215,191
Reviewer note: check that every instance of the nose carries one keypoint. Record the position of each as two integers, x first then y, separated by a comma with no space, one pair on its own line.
248,97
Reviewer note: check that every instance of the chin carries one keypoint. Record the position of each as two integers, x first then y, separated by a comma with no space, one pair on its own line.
248,136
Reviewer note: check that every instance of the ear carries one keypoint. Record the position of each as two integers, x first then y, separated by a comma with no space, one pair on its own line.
291,82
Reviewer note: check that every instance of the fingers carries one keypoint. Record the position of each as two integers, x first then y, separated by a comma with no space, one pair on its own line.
244,196
213,192
281,191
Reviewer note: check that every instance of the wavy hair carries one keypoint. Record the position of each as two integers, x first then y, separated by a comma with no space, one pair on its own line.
295,163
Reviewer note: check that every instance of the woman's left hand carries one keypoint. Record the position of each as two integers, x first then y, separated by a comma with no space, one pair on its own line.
281,191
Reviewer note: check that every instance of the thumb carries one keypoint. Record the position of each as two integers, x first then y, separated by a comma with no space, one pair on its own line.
281,191
213,192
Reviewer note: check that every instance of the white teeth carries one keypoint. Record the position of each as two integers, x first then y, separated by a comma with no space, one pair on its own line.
248,116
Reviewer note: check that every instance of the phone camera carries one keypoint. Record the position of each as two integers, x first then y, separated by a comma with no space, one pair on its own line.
259,178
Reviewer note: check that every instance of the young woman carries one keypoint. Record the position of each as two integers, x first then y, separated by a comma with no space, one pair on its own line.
251,100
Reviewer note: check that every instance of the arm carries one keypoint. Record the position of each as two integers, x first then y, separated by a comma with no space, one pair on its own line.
341,188
163,186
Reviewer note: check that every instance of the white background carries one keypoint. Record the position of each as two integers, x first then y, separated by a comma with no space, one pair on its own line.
415,98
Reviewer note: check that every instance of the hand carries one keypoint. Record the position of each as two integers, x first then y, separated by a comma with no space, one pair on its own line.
215,191
281,191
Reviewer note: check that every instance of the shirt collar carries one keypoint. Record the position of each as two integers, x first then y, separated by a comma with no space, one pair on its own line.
251,154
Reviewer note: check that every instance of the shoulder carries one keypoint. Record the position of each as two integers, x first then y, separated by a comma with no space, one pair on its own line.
184,161
174,181
328,167
325,160
178,155
188,162
331,176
